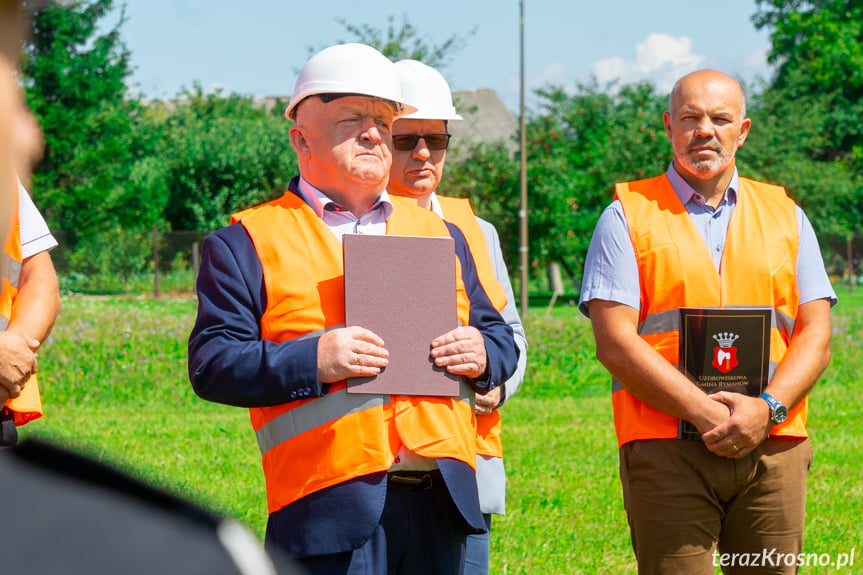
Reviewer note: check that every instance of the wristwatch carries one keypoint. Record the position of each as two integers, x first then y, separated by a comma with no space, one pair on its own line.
778,411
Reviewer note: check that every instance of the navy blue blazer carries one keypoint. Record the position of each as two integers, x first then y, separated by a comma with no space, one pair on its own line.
229,363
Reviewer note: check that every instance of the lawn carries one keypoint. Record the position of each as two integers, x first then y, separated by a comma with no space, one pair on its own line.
114,383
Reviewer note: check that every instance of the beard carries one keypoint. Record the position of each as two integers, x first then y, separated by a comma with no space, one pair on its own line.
712,164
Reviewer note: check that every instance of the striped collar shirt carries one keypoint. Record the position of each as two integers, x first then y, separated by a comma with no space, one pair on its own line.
340,220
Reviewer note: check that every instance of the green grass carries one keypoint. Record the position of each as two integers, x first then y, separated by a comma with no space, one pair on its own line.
114,384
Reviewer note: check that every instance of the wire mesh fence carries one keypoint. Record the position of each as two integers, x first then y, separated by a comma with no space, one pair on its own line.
157,262
152,262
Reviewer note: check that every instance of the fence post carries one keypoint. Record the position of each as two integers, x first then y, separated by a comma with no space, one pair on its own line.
196,262
555,280
155,262
850,272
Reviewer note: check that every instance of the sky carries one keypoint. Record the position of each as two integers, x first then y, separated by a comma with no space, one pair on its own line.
257,47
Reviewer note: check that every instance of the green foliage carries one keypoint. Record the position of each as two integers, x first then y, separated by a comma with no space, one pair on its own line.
818,46
579,146
578,149
75,85
810,137
114,253
489,176
217,155
115,167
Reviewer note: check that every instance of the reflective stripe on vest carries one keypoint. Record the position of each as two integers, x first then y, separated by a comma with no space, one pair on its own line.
319,332
312,414
27,406
323,410
758,268
669,320
459,212
311,444
10,269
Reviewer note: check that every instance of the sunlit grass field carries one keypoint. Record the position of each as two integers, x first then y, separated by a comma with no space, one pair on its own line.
115,386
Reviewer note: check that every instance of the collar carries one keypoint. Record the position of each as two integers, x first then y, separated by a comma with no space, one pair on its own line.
685,192
435,205
318,200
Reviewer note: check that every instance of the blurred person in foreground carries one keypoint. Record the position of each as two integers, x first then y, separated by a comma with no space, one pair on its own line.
30,298
420,141
355,483
702,236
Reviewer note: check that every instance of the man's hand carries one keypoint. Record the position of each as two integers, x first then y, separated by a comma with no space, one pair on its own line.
747,427
461,351
17,361
350,352
488,402
715,414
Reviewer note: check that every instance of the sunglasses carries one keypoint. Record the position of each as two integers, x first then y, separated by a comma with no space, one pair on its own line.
407,142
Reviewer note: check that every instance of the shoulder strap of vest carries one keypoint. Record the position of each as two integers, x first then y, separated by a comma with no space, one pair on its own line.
649,190
766,192
10,265
289,200
458,211
407,218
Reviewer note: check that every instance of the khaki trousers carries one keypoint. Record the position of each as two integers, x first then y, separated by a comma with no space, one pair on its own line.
690,510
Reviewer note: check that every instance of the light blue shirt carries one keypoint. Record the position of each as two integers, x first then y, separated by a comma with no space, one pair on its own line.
611,270
340,220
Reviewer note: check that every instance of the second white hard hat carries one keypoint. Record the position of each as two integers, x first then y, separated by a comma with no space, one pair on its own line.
427,90
349,69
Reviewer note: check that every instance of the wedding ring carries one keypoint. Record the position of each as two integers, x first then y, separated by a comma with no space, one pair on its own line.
358,359
736,449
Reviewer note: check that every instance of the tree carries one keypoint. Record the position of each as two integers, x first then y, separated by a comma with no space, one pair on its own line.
818,47
488,175
218,155
74,80
810,138
579,146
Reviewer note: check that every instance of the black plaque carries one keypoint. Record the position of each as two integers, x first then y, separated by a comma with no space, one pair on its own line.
724,349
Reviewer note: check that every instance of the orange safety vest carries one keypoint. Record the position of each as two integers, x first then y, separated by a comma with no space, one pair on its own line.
459,212
759,268
27,406
311,444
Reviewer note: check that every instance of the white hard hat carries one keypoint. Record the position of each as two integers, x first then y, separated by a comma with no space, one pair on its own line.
349,69
425,88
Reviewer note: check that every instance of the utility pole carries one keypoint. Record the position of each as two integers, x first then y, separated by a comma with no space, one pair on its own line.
522,212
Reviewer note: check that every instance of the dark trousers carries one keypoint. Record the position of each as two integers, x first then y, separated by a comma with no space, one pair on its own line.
420,533
8,432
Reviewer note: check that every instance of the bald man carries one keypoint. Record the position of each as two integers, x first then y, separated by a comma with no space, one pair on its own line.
733,492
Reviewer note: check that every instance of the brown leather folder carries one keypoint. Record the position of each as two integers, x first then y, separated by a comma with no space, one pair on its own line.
403,288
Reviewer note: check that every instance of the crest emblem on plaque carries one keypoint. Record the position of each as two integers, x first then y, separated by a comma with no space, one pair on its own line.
725,356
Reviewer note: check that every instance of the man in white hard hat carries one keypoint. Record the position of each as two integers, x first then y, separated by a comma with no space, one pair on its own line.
355,483
420,141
